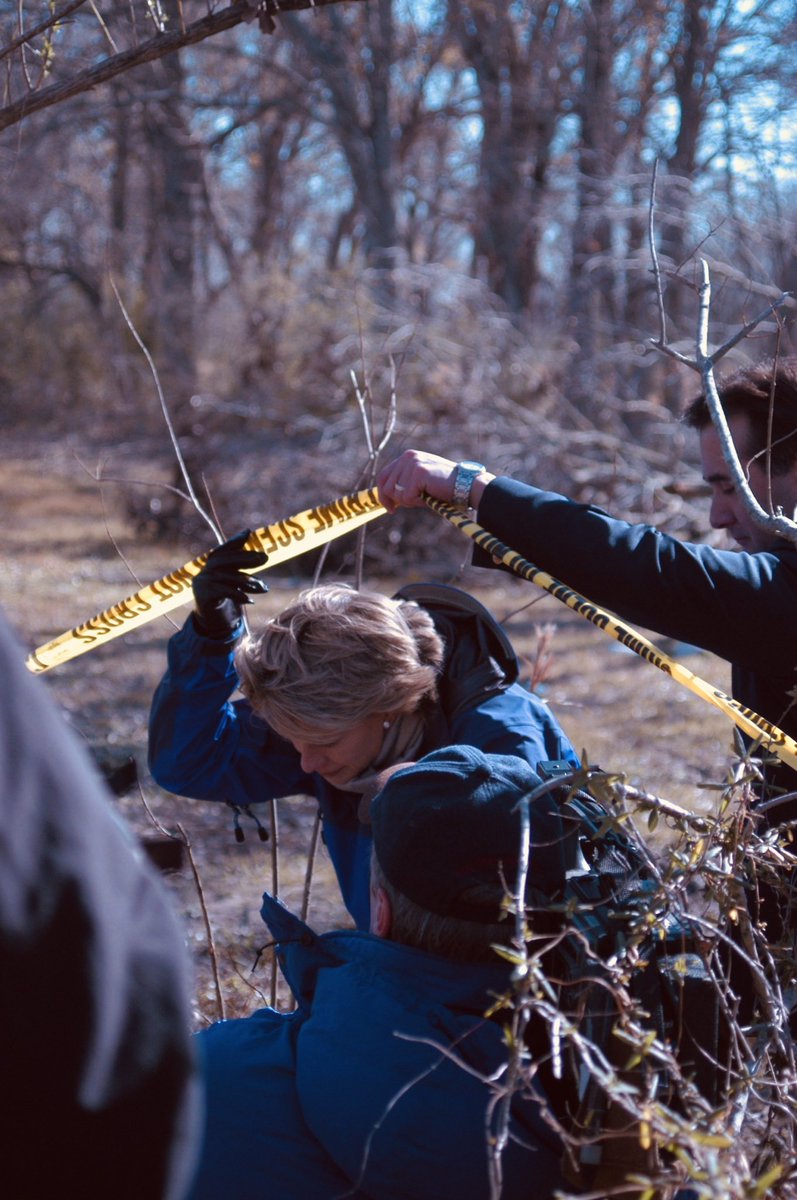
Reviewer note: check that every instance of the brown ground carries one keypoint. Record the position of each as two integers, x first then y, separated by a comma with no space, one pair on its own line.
58,567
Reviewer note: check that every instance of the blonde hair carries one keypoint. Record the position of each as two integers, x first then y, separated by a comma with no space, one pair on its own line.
337,656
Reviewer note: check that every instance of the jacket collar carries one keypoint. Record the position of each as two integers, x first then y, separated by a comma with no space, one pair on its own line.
302,954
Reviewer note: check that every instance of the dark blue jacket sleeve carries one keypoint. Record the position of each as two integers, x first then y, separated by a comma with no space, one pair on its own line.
207,746
739,606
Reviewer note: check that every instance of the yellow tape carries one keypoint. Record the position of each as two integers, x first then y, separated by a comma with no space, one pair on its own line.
774,739
285,540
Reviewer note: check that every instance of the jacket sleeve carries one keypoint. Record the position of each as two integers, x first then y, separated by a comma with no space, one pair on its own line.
94,1011
739,606
204,744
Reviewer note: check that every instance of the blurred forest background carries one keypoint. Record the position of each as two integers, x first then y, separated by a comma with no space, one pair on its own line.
306,217
442,201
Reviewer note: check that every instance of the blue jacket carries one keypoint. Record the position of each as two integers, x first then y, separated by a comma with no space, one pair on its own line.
203,745
739,606
373,1088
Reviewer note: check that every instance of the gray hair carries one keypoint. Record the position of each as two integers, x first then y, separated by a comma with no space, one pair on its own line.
449,937
337,656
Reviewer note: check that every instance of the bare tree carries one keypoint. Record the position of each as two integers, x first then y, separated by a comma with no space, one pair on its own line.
522,59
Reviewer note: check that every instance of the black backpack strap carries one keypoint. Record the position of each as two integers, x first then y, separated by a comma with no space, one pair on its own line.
480,659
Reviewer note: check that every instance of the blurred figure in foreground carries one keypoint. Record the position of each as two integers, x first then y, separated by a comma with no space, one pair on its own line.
95,1051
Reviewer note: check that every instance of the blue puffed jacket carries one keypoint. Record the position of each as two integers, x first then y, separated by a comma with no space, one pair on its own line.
375,1087
206,746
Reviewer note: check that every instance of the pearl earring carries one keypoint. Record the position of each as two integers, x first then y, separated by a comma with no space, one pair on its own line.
386,724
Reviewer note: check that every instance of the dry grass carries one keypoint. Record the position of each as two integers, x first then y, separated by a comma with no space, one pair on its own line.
59,566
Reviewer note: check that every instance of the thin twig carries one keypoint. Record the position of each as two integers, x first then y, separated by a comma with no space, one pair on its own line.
55,18
315,838
182,837
275,883
750,327
167,417
655,256
221,1008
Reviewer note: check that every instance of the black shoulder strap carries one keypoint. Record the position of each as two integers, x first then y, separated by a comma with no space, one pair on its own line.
480,659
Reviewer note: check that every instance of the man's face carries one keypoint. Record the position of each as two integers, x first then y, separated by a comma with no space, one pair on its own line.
727,508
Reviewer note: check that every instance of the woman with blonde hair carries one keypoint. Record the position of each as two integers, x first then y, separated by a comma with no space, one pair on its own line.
337,687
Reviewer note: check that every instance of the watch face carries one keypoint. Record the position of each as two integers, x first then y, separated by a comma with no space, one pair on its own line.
464,476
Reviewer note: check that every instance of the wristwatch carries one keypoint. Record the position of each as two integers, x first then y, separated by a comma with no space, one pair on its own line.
464,475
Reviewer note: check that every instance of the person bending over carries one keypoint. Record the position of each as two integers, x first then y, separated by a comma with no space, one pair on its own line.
337,687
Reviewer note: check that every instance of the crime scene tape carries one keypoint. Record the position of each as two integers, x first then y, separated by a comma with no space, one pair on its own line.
755,726
282,541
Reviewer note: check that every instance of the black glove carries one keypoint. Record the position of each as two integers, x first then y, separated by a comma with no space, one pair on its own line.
221,588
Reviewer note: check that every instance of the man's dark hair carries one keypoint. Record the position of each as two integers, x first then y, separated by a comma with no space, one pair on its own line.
763,392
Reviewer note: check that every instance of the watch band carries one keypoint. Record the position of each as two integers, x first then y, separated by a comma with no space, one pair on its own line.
464,475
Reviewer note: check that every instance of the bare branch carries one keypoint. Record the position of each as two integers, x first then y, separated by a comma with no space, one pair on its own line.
54,19
655,257
776,523
150,51
704,362
275,881
747,329
182,837
167,418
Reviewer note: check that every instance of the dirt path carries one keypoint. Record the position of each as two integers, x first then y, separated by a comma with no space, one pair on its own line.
58,567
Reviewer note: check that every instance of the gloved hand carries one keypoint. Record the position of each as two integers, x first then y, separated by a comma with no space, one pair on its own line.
221,588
